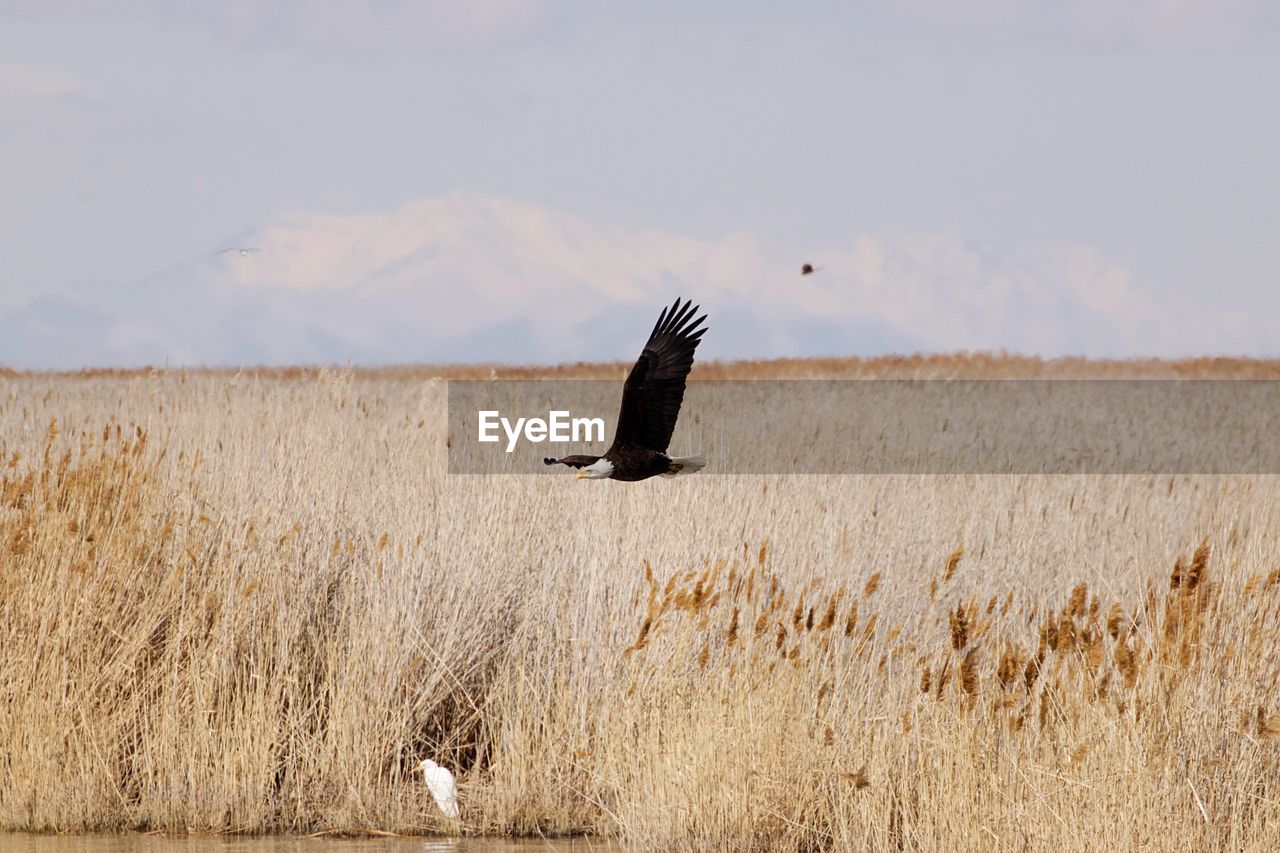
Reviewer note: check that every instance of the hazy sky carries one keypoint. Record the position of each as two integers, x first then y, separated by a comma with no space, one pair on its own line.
530,181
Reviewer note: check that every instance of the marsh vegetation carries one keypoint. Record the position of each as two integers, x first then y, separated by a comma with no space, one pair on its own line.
254,602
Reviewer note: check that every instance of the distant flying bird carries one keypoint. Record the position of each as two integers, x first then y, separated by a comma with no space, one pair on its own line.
243,250
442,786
651,399
809,269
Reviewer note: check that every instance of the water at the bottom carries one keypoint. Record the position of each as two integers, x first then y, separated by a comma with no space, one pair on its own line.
19,843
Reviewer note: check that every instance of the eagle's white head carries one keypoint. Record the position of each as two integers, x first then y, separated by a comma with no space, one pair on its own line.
598,470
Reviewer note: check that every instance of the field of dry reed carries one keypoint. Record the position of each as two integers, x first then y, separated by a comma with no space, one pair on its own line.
252,602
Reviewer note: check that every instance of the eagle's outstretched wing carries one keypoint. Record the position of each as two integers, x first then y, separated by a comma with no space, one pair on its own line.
654,389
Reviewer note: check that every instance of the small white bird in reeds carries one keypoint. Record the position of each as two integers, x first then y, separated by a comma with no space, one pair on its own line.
442,786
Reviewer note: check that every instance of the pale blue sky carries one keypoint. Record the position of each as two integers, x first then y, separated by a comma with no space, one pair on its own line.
1011,175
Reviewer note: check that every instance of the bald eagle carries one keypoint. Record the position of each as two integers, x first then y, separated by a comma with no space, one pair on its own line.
651,400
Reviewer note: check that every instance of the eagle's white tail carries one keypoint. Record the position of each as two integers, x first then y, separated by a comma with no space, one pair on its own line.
686,465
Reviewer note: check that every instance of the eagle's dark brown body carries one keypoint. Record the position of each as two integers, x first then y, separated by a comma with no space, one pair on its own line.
630,463
651,399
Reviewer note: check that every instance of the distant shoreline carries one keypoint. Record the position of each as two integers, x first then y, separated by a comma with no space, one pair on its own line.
959,365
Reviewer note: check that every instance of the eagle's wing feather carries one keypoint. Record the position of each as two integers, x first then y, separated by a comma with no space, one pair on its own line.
654,389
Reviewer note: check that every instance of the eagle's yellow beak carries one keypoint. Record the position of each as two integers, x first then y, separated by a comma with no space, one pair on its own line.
582,475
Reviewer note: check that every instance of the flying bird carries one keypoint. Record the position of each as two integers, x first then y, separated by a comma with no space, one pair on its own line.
809,269
243,250
442,786
651,399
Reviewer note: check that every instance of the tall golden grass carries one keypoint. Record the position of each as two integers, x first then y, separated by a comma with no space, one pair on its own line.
252,603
